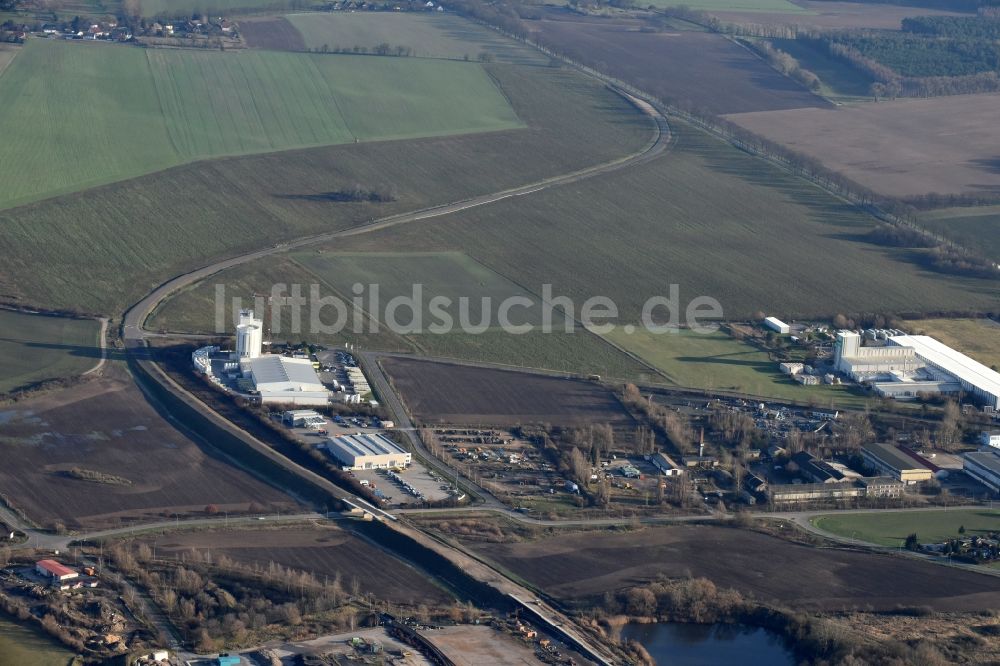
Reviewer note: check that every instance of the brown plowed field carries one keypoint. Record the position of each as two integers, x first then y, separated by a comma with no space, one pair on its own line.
698,70
107,426
446,393
585,565
273,33
323,551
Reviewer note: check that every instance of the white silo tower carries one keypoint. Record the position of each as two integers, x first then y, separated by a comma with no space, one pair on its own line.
249,335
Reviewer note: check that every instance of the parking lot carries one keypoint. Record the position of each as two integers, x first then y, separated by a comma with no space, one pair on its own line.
422,481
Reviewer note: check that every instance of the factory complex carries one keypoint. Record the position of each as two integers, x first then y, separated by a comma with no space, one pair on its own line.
367,451
905,367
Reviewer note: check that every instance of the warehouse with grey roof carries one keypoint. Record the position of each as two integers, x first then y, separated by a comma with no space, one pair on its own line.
367,451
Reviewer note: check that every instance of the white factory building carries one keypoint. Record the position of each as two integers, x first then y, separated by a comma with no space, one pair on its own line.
249,335
367,451
279,379
984,466
910,365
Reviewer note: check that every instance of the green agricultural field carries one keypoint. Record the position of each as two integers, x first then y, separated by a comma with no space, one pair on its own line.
173,8
705,217
979,338
428,35
123,112
977,228
771,6
119,241
892,528
450,275
34,348
719,362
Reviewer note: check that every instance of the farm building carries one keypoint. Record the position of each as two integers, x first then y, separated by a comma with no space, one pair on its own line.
776,324
894,462
279,379
666,464
55,571
984,466
367,451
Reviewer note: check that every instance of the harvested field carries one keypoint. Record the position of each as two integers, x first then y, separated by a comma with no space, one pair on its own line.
214,209
35,348
428,35
108,426
705,217
152,8
583,566
904,147
273,33
7,53
323,550
749,6
700,70
469,645
445,393
822,15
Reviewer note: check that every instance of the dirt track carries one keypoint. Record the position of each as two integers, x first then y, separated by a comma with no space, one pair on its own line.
588,564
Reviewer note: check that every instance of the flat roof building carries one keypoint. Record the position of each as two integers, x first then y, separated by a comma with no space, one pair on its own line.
974,377
776,324
984,466
894,462
280,379
367,451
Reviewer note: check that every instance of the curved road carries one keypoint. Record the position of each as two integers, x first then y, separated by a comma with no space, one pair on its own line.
133,323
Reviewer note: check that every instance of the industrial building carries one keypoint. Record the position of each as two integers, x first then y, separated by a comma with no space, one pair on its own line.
666,464
984,466
367,451
974,378
894,462
791,368
814,492
55,571
990,438
283,380
249,335
303,418
910,365
776,324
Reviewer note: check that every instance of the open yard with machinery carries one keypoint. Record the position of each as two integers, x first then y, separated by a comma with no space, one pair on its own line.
216,208
891,529
979,338
98,454
469,645
456,394
326,551
977,227
35,348
707,218
700,70
579,567
903,147
716,361
428,35
824,15
123,111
